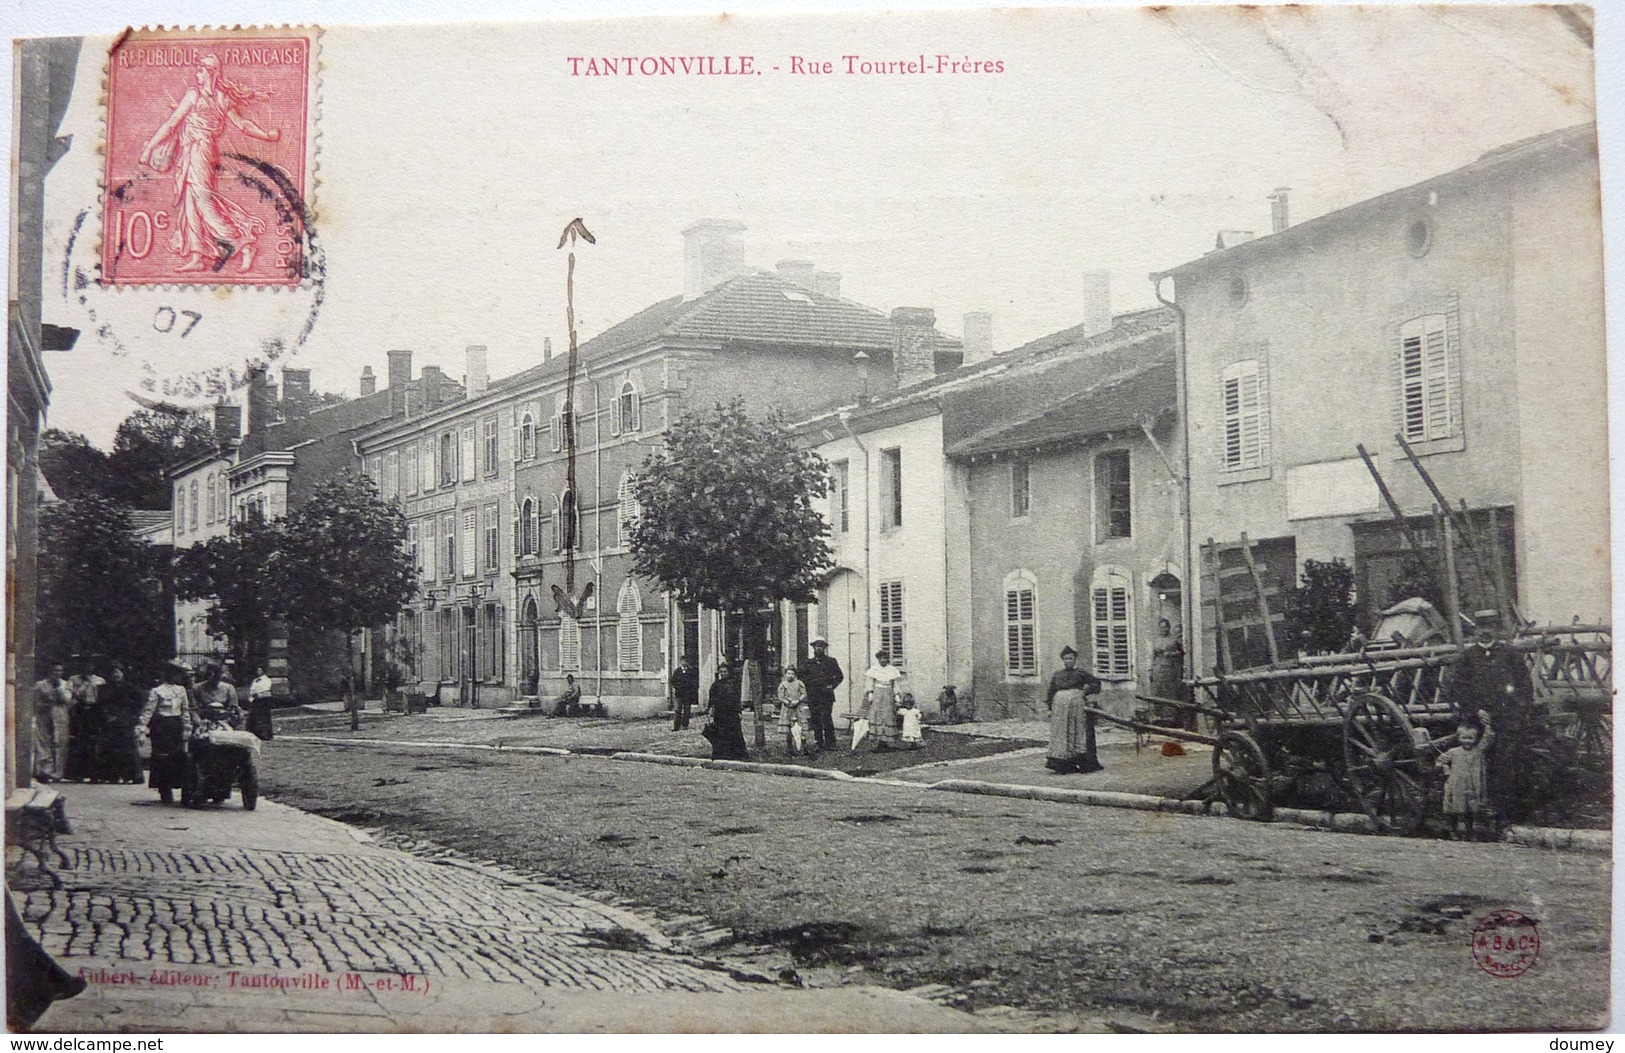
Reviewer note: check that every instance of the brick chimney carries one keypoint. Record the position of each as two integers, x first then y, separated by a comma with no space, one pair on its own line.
369,382
913,346
400,375
475,376
1097,302
827,283
713,252
1278,215
295,393
978,338
261,401
797,272
432,381
228,423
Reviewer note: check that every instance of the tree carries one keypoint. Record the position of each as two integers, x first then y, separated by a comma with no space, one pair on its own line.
243,575
148,442
726,516
344,564
1320,611
101,589
71,465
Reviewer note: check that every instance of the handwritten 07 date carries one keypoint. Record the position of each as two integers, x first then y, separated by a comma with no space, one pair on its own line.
796,65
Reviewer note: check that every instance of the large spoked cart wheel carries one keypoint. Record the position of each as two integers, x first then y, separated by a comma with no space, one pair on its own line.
1382,768
1241,776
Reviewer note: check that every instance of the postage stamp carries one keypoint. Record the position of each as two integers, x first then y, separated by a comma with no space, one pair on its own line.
208,160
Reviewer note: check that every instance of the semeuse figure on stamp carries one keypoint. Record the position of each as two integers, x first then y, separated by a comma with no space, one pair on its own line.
822,675
209,227
1071,729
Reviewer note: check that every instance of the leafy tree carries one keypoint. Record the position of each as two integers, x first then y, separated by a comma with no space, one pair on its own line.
243,573
101,589
726,516
72,466
1320,611
344,565
146,444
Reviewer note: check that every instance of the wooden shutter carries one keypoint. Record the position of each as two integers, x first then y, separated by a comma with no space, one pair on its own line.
1020,653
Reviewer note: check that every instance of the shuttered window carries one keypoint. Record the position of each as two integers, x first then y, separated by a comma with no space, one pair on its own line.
466,453
429,552
409,470
470,541
1427,368
1020,625
626,511
569,644
392,475
489,440
1113,624
1245,397
412,547
448,538
891,620
628,631
1021,493
488,527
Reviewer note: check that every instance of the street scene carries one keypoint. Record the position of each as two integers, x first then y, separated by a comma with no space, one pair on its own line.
1196,619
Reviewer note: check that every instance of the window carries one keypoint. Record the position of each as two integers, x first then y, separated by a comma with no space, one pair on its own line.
470,542
466,453
627,416
1021,492
840,496
1114,512
409,470
527,437
891,620
564,425
373,470
448,541
412,548
193,516
429,474
392,474
1113,624
628,632
180,509
208,506
429,552
489,526
1427,384
891,488
525,535
1020,624
491,451
1245,399
626,510
448,458
568,532
569,644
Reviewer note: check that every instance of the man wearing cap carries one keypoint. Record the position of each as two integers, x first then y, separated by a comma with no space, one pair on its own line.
1071,728
822,675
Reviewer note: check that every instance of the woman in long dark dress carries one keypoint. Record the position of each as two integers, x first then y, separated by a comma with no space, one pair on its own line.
726,733
1071,729
120,754
168,717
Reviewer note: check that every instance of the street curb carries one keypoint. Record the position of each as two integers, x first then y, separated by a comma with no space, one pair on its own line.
1590,841
793,771
322,740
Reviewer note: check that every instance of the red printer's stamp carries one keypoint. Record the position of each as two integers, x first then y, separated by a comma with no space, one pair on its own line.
1506,943
208,157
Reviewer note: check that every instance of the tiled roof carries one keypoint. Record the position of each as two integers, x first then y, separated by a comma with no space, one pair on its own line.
318,424
758,308
143,519
1124,401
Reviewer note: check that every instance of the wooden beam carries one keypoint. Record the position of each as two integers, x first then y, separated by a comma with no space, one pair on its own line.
1263,600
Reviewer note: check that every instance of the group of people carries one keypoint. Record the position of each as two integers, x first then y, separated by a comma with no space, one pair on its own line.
805,695
91,728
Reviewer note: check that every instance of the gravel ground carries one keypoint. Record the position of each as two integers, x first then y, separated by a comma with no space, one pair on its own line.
1088,916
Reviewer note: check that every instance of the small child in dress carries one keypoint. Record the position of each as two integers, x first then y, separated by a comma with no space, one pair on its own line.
1466,781
909,714
793,711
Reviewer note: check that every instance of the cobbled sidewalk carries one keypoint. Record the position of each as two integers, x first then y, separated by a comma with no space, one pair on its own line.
278,920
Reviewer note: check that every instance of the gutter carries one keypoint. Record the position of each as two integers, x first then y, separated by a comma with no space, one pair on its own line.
868,591
1188,586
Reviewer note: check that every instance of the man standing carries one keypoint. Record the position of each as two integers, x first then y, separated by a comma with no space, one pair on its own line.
259,705
685,692
51,699
822,675
215,689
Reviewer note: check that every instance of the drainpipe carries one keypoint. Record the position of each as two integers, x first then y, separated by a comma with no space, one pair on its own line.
1188,589
597,536
845,416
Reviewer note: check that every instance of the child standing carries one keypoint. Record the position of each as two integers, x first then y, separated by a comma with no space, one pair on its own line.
793,710
909,713
1466,781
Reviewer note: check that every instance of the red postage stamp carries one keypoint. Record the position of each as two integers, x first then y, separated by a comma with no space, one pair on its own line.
209,157
1506,943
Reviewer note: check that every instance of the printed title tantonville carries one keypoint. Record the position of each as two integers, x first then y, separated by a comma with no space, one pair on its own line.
799,65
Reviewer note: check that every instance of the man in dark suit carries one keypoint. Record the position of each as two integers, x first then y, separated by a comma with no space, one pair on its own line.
822,675
685,692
